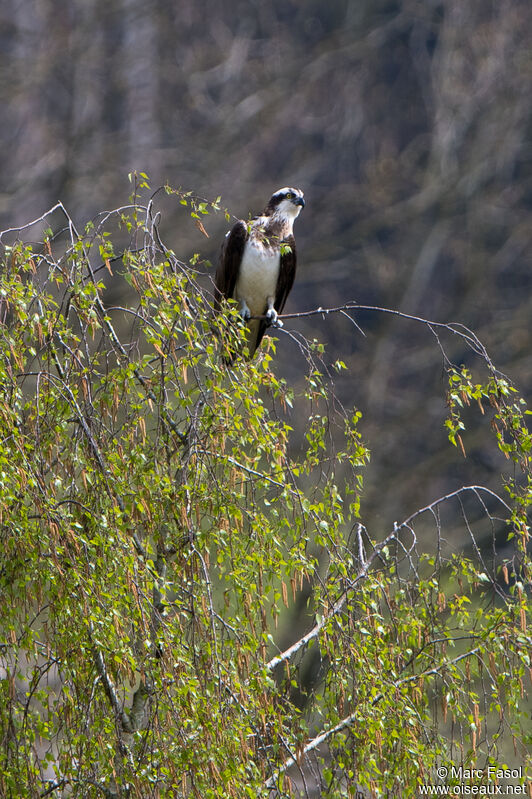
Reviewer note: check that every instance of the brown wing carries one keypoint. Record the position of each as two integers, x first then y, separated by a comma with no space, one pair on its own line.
287,274
285,281
229,264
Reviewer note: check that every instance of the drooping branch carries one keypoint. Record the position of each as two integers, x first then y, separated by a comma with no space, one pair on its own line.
349,720
367,563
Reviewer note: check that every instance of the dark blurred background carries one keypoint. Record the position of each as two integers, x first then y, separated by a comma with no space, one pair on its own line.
407,124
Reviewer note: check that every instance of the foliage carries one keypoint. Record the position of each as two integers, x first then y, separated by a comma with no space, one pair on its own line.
161,526
406,123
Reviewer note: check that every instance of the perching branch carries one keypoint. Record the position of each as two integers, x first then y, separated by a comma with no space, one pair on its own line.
455,328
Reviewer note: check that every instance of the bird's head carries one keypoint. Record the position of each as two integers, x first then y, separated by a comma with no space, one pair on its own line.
285,203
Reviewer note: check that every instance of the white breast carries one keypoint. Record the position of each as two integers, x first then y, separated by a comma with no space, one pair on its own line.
257,279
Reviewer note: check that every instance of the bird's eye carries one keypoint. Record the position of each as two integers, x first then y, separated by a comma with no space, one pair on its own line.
289,195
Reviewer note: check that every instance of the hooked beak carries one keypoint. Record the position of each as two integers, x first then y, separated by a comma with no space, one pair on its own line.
299,201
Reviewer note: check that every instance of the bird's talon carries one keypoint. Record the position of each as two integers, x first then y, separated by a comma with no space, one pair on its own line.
271,317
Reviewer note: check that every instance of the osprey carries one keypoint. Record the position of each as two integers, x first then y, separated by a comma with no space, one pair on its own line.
258,263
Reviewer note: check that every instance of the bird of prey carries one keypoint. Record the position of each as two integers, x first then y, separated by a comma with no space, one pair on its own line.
258,264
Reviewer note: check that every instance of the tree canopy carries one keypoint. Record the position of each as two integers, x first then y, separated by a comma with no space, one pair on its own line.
192,603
